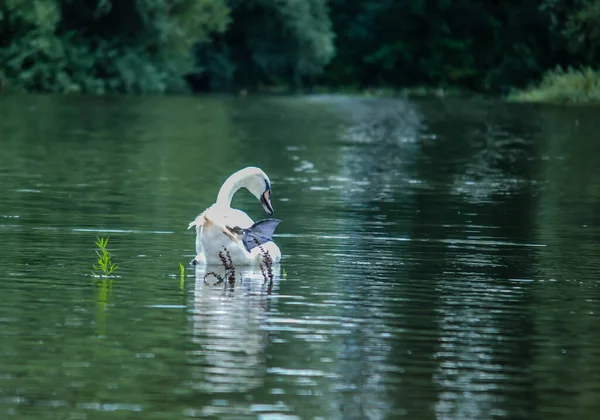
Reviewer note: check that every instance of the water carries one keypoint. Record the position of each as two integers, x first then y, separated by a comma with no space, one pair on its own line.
440,260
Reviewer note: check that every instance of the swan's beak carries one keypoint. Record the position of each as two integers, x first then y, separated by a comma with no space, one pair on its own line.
265,200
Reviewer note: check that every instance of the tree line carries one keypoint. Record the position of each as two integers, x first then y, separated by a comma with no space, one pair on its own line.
138,46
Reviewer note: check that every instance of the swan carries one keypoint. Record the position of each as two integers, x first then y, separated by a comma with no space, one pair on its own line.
220,227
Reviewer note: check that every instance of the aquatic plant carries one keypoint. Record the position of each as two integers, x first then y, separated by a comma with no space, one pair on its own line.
227,262
104,284
181,276
266,267
104,262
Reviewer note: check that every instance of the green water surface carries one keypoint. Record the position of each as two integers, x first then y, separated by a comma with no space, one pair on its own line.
441,260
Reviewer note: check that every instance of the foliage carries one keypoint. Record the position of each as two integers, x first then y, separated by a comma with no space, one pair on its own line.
477,45
227,262
131,46
181,276
575,24
570,86
100,46
104,258
268,42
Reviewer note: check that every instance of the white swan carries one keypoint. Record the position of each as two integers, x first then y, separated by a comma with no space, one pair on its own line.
220,226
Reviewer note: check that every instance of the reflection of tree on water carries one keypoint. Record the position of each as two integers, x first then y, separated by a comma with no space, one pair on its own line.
416,203
379,147
229,337
566,301
380,143
480,202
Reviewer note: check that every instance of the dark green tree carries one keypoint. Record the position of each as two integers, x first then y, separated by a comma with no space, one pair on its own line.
575,25
465,43
103,45
269,42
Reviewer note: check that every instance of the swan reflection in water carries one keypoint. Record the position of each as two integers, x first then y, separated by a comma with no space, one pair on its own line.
228,331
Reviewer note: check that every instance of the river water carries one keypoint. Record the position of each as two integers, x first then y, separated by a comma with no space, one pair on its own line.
441,260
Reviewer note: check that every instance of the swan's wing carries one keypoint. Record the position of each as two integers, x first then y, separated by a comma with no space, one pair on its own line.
214,230
234,217
259,233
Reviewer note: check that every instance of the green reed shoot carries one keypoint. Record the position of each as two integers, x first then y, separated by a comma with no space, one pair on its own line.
181,276
104,258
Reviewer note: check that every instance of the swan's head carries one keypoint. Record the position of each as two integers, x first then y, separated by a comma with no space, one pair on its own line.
258,183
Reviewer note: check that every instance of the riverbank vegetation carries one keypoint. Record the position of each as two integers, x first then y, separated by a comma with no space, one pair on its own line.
563,86
139,46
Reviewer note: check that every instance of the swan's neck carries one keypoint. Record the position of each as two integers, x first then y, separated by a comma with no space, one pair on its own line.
228,189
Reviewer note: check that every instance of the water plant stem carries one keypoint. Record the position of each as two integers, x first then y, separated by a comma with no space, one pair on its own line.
104,262
181,276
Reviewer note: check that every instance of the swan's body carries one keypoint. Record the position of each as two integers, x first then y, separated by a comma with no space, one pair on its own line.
218,228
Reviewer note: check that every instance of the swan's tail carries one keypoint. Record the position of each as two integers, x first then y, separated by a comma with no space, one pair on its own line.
198,221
